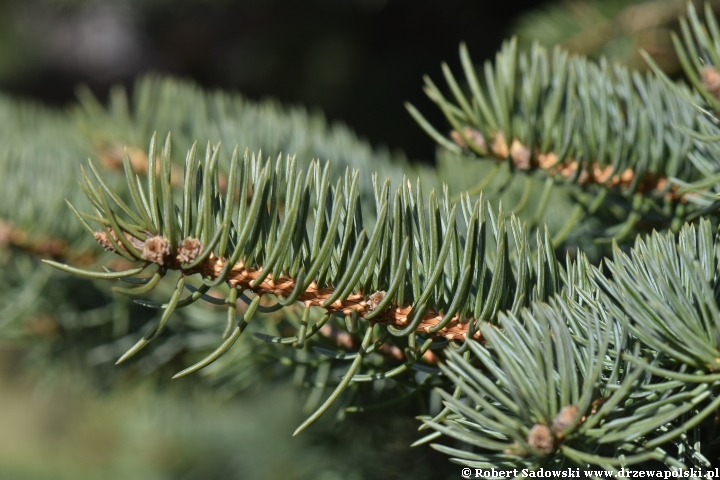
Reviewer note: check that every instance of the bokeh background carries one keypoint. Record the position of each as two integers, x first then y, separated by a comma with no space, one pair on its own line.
356,61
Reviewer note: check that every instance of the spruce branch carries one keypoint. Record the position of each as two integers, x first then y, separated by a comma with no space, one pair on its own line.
40,149
610,375
416,273
698,53
599,126
192,257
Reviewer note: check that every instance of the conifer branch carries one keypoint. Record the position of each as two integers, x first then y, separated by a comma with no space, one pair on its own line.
243,279
11,235
697,50
648,338
578,122
414,273
590,174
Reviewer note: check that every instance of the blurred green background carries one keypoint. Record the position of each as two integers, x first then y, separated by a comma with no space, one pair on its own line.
356,60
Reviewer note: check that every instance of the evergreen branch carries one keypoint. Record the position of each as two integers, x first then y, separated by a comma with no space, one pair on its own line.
699,54
576,122
336,296
668,292
539,392
414,273
40,149
630,366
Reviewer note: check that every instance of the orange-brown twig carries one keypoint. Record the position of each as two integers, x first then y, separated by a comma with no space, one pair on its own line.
56,248
240,276
397,316
525,160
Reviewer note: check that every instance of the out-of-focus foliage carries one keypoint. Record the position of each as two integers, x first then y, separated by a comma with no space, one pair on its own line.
346,58
139,431
614,29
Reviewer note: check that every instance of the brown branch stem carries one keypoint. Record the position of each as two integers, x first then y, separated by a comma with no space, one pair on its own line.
396,316
525,160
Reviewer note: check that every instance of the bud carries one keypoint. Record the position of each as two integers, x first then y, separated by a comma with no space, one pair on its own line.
189,250
474,136
565,417
541,439
520,155
102,239
711,81
156,249
374,300
499,146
